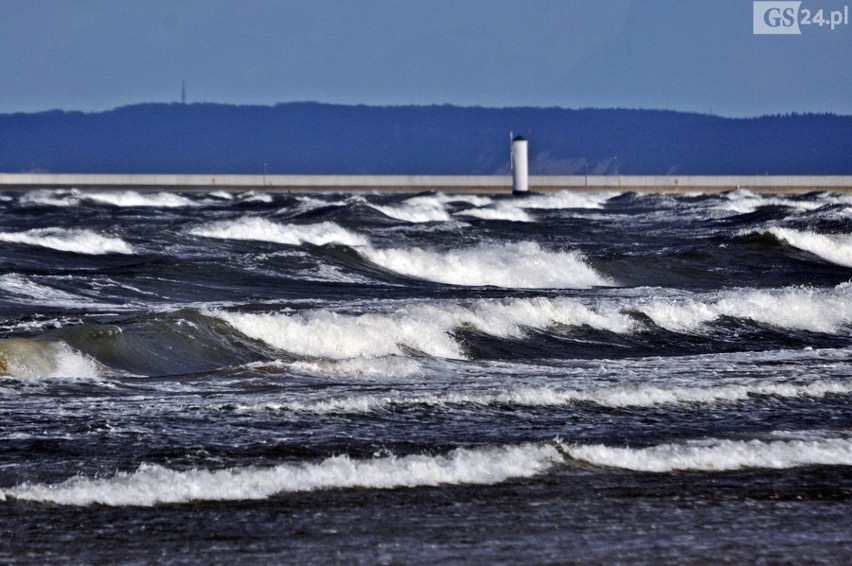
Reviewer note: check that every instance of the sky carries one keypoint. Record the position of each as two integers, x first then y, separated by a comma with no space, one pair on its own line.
686,55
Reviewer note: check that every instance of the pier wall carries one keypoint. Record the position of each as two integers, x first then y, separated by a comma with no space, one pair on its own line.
417,183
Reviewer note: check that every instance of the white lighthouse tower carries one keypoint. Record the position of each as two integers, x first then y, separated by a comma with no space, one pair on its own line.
520,168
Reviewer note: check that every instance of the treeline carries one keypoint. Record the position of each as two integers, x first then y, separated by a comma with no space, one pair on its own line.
313,138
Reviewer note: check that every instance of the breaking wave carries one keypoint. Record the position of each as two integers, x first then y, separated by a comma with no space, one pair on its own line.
417,209
384,366
517,265
615,397
120,199
260,229
430,328
500,211
815,310
835,248
717,455
22,287
135,199
743,201
24,358
73,240
565,199
152,484
421,327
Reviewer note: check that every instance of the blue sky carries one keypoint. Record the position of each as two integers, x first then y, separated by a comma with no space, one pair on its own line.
694,55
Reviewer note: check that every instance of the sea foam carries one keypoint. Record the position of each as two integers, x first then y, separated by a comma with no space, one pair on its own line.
73,240
835,248
815,310
500,211
152,484
260,229
22,287
120,199
133,199
743,201
426,328
515,265
417,209
716,455
566,199
23,358
542,396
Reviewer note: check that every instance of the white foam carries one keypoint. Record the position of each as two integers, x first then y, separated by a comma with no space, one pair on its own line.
47,197
566,199
326,334
500,211
260,229
417,209
221,195
74,197
333,273
615,397
715,455
515,210
424,328
20,286
790,308
254,196
24,358
475,200
516,265
151,484
74,240
743,201
385,367
836,248
134,199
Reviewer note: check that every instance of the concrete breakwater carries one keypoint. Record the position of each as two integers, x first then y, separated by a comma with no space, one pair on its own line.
416,183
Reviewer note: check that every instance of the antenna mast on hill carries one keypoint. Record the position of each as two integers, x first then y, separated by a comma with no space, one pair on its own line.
183,92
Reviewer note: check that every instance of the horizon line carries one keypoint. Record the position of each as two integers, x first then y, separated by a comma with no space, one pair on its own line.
711,114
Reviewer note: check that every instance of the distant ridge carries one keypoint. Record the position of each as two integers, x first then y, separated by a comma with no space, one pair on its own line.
314,138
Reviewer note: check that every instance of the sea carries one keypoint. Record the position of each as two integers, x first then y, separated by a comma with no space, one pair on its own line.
365,378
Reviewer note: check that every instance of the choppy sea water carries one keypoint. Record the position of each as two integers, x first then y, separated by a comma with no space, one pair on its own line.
559,378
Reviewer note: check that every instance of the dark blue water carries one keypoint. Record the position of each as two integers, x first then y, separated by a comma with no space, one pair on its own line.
560,378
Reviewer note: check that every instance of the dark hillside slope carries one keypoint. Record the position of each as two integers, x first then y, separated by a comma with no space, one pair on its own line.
312,138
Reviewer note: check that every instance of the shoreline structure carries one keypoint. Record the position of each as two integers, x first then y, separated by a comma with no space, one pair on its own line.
493,184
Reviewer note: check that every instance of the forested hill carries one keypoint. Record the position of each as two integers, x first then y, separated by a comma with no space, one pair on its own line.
313,138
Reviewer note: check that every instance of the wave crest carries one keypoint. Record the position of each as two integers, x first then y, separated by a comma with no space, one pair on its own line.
834,248
808,309
715,455
24,358
73,240
615,397
420,327
260,229
151,484
417,210
517,265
